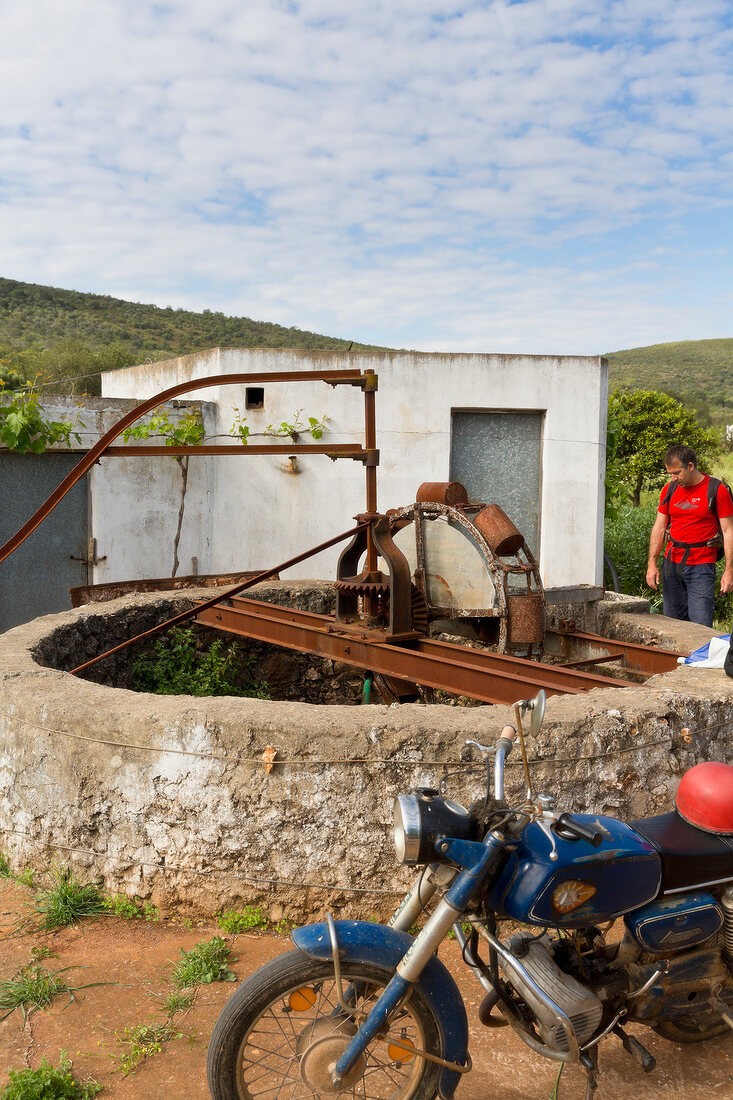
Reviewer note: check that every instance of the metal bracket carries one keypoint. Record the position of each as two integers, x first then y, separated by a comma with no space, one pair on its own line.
91,558
369,382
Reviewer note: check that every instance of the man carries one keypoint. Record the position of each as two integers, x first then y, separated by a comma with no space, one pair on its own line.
689,562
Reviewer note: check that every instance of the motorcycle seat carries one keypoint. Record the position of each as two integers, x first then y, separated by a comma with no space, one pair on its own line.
690,857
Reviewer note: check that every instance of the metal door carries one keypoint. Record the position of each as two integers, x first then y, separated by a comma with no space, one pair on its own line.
498,457
35,579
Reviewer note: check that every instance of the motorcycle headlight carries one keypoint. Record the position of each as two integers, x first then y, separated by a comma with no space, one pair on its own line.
422,817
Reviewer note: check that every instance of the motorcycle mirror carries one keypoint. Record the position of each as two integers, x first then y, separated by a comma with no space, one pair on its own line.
538,712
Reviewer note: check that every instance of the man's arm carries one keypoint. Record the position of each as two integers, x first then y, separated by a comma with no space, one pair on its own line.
726,526
656,542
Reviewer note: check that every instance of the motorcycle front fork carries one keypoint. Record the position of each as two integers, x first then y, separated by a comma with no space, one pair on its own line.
478,861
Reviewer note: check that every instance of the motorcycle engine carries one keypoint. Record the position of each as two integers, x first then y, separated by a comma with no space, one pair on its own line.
578,1002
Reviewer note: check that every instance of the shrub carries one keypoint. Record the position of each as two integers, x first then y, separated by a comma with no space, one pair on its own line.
177,667
48,1083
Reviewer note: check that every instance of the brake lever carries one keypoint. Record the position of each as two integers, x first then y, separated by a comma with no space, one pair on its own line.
546,828
485,750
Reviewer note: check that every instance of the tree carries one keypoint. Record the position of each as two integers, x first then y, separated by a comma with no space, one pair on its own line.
642,425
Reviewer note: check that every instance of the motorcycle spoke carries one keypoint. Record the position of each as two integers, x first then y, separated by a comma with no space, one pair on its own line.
269,1058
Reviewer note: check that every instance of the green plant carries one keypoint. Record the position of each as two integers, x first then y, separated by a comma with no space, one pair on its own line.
235,921
240,428
33,987
23,878
178,1002
48,1083
643,424
67,900
23,426
204,963
188,430
130,908
143,1041
178,668
293,431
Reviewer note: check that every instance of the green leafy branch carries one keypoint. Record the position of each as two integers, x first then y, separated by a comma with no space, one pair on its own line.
24,427
187,432
314,425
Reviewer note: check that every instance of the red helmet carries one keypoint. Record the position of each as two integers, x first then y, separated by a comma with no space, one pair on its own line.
705,797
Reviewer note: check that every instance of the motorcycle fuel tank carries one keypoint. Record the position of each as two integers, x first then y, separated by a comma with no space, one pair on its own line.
584,885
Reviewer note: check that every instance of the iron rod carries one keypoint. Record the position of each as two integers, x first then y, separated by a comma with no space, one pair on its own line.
194,611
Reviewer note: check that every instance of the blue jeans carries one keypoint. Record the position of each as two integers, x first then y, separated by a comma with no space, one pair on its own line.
689,592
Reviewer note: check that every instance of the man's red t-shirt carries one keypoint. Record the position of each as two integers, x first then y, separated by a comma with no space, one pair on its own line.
691,521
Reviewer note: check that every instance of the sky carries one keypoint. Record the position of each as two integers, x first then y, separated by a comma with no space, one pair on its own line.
546,176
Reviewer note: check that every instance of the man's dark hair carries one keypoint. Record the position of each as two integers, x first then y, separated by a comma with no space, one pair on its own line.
685,455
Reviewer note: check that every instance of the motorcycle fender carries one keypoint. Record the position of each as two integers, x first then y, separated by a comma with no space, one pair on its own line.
363,941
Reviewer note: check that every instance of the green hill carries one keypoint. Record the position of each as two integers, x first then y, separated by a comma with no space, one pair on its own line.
699,372
61,334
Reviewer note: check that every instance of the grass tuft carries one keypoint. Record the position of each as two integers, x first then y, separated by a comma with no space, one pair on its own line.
48,1083
143,1041
178,1002
67,900
35,988
204,963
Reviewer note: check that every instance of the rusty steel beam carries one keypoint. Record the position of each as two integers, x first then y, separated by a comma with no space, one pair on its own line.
488,677
335,450
645,659
193,611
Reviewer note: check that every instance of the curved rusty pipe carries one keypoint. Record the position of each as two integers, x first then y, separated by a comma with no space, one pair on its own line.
88,460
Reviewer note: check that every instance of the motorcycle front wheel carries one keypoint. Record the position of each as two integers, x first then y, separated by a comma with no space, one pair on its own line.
282,1030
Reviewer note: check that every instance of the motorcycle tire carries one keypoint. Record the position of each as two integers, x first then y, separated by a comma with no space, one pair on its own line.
283,1028
690,1029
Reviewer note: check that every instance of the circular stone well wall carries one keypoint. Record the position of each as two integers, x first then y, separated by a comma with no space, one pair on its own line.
169,798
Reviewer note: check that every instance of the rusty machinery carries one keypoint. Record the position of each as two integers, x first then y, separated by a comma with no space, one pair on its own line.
384,609
446,558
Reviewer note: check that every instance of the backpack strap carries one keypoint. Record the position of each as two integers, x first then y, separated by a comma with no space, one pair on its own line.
670,489
714,484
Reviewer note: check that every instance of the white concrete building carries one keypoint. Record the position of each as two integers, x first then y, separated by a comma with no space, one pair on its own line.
525,432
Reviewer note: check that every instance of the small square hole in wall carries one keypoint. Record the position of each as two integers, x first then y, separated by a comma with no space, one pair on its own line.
254,397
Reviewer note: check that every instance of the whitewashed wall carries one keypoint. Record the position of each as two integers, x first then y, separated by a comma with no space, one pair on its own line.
134,502
253,512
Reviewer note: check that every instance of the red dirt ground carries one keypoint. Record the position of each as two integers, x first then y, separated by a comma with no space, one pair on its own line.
134,957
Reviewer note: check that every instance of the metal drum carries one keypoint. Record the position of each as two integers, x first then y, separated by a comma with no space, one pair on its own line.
442,492
498,530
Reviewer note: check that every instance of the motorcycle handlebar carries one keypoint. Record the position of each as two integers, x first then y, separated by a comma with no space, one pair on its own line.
566,824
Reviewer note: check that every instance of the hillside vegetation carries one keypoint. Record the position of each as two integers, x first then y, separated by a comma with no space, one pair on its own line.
61,334
697,372
51,334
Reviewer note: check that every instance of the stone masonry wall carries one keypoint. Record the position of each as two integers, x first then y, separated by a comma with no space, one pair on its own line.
169,798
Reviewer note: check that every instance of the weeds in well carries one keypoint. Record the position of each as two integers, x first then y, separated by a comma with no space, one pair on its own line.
49,1083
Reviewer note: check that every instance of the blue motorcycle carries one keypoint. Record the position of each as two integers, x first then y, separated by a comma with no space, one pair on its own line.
369,1010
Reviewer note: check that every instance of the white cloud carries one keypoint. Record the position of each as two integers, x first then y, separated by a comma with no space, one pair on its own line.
376,170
